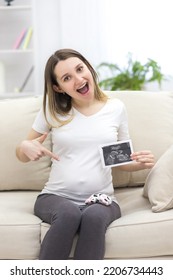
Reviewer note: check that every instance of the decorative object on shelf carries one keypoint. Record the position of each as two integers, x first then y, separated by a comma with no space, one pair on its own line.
25,81
133,77
8,2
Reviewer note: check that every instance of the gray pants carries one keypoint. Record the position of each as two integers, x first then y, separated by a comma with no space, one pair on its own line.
68,219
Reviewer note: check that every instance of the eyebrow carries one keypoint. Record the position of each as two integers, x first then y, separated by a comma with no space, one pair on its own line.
66,74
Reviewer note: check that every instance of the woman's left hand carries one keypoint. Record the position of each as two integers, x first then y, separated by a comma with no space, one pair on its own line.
145,159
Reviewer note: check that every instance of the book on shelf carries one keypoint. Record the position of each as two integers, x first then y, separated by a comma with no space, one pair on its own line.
20,39
24,38
27,38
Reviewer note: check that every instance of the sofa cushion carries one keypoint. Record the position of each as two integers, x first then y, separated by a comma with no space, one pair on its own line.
150,117
17,116
138,232
159,183
19,228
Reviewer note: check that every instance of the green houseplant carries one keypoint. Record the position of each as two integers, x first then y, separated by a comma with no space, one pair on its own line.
132,77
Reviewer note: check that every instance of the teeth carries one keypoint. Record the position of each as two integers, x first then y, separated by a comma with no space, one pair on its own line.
82,86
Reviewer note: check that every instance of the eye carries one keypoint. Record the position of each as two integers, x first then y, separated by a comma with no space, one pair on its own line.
79,69
67,78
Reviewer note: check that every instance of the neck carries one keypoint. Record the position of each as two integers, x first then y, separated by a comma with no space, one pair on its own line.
85,104
89,108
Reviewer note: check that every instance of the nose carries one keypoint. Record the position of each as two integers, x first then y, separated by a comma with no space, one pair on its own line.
78,78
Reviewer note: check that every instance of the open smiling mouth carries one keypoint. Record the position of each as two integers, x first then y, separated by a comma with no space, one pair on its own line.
84,89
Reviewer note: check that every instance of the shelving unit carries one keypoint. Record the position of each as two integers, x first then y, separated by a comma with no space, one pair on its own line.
16,64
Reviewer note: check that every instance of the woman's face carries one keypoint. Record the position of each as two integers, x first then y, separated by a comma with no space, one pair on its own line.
74,78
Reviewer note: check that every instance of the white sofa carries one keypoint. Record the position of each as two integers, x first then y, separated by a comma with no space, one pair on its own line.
145,229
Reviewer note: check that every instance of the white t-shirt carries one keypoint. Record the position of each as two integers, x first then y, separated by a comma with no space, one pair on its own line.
79,172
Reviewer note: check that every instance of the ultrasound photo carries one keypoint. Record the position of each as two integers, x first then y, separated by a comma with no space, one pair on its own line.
115,154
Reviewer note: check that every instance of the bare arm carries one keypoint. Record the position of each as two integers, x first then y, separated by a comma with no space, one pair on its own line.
142,160
32,148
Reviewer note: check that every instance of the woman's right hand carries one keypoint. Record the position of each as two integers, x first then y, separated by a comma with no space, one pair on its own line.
34,150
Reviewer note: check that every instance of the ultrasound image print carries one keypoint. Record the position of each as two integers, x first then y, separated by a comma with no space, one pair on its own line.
117,154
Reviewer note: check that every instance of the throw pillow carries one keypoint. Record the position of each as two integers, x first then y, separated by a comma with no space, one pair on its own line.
159,183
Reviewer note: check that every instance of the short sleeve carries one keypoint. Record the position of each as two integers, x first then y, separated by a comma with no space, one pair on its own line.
40,125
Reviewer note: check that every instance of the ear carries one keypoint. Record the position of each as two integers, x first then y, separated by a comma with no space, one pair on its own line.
57,89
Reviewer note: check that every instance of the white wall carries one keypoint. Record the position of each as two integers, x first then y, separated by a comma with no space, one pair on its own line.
106,30
81,27
47,35
74,24
144,28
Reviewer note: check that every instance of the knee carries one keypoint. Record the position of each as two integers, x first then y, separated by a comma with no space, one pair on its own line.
72,215
94,219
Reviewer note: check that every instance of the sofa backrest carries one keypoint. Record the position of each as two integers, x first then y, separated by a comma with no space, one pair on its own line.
17,116
150,124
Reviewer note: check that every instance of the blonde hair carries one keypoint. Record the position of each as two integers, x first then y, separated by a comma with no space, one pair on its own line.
61,104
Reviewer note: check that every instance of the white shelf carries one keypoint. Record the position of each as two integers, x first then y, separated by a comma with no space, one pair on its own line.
16,51
15,8
16,63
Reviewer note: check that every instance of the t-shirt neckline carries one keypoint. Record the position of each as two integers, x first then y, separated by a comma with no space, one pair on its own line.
92,115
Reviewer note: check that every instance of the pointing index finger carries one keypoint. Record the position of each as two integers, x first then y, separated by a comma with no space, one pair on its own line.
50,154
